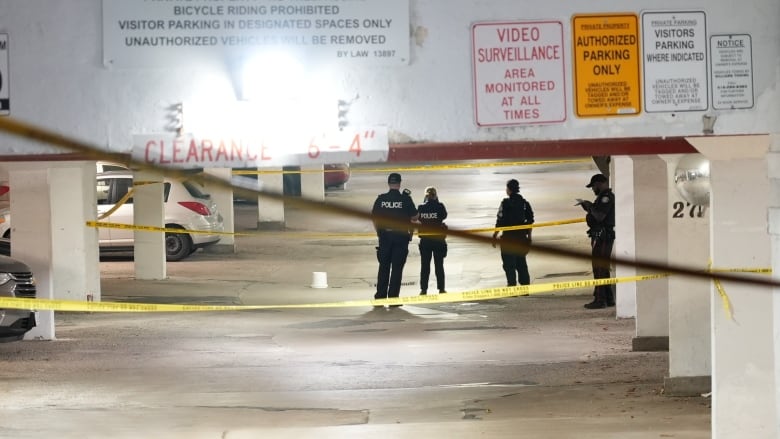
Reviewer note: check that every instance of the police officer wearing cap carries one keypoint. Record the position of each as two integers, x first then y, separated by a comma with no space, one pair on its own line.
600,218
392,214
432,240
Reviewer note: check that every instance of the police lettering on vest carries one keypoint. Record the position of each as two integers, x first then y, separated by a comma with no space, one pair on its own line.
431,215
392,204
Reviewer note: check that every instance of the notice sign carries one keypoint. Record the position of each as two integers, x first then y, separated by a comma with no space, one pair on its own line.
675,54
518,73
732,71
146,33
5,94
606,65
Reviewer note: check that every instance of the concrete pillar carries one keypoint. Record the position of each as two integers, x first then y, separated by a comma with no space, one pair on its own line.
224,199
689,299
270,213
773,158
313,182
622,182
651,186
148,210
743,348
51,235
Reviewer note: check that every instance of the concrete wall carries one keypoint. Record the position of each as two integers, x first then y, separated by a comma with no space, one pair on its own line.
57,77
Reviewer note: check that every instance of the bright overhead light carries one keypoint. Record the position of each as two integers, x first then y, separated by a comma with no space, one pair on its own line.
272,77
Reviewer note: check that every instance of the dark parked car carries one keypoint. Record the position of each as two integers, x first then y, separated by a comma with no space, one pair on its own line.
16,280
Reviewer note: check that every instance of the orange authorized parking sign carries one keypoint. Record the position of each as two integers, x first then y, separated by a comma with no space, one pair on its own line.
606,65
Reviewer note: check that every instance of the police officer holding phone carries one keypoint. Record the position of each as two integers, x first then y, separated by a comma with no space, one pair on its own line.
392,214
600,218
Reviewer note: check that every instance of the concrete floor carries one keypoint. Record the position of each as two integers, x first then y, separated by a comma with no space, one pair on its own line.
537,367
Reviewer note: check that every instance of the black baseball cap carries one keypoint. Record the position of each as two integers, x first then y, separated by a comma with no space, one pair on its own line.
394,178
598,178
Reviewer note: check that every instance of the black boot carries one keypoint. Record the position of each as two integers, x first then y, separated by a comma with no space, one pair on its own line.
596,304
598,300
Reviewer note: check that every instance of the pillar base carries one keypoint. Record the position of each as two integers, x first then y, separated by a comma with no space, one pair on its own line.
270,225
650,344
687,386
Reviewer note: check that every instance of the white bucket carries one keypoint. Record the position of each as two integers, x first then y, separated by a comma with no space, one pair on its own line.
319,279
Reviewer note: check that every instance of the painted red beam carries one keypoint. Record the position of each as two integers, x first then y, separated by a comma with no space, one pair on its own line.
422,152
454,151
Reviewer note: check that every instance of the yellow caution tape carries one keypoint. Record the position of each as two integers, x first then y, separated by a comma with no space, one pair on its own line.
483,294
118,204
415,168
314,234
741,270
724,298
158,229
528,226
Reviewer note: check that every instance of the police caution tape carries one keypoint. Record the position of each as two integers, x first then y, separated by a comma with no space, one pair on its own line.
316,234
482,294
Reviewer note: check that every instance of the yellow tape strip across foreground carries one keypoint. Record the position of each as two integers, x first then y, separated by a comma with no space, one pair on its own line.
315,234
484,294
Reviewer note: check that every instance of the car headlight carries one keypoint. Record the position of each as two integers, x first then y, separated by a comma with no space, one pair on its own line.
4,278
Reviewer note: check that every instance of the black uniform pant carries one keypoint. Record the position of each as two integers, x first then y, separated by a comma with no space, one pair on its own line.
513,261
392,252
601,248
436,249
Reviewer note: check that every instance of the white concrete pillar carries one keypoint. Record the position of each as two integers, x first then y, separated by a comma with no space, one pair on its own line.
51,234
622,182
148,210
689,299
224,199
270,213
743,360
313,182
773,159
651,229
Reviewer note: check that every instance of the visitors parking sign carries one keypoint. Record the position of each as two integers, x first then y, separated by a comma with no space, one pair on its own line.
675,61
606,64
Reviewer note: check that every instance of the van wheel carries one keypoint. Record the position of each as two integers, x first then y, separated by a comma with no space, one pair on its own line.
177,246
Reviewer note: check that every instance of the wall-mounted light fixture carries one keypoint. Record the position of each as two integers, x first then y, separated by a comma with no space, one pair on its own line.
175,118
343,109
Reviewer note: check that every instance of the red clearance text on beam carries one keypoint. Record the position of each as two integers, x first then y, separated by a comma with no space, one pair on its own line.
193,151
519,73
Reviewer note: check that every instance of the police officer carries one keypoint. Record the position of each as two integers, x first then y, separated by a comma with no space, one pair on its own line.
600,218
432,241
514,211
392,214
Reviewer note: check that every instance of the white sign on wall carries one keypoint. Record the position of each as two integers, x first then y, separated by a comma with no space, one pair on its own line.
674,52
518,73
732,71
5,94
142,33
191,151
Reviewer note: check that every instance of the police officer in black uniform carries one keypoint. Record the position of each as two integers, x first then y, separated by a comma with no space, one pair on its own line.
392,214
514,211
432,240
601,230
